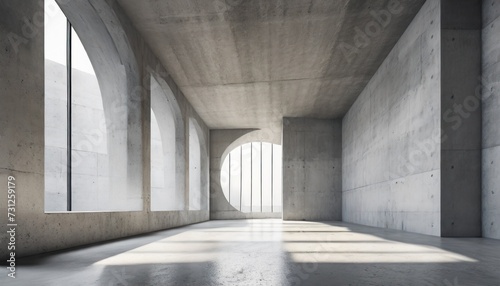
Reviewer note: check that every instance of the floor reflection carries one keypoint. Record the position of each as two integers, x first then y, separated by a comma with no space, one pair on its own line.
273,252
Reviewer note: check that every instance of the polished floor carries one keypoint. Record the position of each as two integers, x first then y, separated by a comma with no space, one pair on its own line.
270,252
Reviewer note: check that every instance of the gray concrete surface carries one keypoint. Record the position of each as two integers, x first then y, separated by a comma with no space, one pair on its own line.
461,118
391,136
22,127
312,169
491,118
247,64
270,252
221,143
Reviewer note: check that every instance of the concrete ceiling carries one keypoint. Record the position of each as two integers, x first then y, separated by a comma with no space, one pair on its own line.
248,63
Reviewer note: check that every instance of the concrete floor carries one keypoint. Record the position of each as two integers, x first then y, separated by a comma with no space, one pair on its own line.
270,252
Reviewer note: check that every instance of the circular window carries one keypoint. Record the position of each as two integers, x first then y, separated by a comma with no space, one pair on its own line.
251,177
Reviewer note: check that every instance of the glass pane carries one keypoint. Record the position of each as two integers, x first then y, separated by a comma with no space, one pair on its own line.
235,182
256,183
246,178
224,178
55,33
277,178
55,108
266,177
80,60
90,160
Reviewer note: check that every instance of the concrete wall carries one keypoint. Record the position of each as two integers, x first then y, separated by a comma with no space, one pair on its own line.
312,169
460,118
491,118
391,136
22,131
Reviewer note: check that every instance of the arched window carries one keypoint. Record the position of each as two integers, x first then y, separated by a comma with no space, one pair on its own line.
87,128
167,136
195,186
251,177
79,127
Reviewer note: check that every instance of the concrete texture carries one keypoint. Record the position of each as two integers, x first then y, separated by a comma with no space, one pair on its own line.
391,136
270,252
312,169
247,64
221,143
129,62
461,118
491,119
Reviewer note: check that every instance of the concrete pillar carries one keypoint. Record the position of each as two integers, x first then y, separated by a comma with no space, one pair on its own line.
491,118
312,163
461,118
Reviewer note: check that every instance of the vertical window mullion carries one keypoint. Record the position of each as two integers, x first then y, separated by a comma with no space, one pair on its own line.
229,178
272,177
251,177
261,201
241,175
69,112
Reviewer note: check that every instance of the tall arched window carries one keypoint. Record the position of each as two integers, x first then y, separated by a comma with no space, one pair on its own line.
76,155
167,189
251,177
194,168
87,131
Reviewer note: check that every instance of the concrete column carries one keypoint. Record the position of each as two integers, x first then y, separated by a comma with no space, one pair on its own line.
312,169
460,118
491,118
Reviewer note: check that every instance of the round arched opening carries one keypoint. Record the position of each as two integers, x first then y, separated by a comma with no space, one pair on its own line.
251,177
